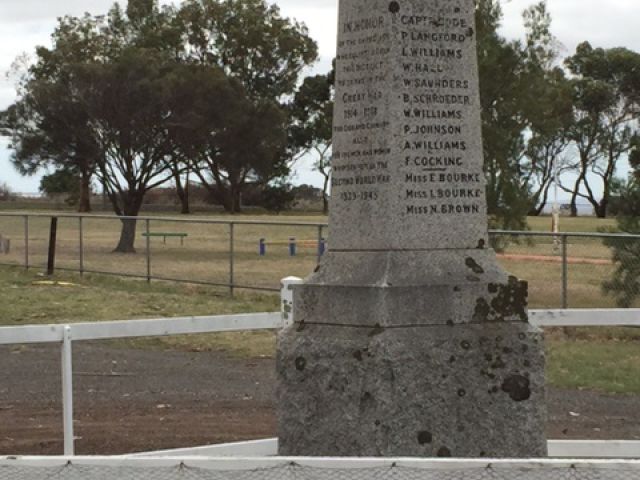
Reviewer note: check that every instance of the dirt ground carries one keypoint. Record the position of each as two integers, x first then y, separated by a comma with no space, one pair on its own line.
142,400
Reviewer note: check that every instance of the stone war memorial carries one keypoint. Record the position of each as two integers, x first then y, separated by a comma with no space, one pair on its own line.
409,339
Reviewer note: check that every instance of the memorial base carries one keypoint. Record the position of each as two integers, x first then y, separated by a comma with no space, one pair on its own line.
366,371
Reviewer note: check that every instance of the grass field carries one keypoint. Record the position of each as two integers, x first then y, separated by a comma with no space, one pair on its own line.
27,298
205,255
606,359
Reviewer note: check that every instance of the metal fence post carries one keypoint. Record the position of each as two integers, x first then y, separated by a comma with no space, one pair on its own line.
67,392
81,245
565,273
286,299
148,237
26,242
53,236
231,258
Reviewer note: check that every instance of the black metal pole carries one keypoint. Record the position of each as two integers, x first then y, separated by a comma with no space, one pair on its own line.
53,233
232,255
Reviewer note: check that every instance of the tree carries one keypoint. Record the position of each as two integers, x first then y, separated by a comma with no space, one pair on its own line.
5,192
200,129
141,106
115,86
310,130
625,282
517,90
277,198
266,53
48,126
62,182
250,149
545,155
128,104
605,120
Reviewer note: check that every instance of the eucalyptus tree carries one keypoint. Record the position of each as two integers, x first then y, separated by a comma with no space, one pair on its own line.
606,120
266,54
311,121
48,125
520,88
111,85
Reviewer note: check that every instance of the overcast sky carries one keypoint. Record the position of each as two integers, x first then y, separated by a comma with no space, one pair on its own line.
24,24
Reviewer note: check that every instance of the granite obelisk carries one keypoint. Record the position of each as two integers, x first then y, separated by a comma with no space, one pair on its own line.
409,340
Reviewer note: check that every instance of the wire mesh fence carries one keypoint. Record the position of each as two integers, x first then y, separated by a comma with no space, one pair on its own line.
229,254
295,471
566,270
573,270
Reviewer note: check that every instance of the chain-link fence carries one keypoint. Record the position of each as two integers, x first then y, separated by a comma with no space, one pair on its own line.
565,270
230,254
573,270
294,471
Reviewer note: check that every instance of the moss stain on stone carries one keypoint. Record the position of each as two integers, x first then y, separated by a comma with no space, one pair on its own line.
474,266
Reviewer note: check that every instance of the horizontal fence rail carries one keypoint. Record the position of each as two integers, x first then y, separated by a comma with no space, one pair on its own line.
139,328
264,321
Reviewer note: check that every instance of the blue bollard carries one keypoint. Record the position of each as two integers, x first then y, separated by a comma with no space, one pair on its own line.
292,247
263,247
322,246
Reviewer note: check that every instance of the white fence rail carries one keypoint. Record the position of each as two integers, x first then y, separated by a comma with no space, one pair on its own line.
161,327
65,335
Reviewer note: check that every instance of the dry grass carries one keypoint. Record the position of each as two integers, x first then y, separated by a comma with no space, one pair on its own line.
606,359
204,257
205,254
26,300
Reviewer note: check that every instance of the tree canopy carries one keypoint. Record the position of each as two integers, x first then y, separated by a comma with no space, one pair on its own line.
266,53
311,125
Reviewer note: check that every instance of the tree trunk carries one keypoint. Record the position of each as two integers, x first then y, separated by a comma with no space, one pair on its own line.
231,198
183,194
84,204
537,210
131,208
127,236
574,197
325,198
601,208
236,200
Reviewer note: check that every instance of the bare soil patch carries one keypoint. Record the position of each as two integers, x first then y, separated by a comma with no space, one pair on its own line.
130,400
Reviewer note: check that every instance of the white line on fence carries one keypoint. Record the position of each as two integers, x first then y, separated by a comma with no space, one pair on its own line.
594,448
140,328
586,318
265,321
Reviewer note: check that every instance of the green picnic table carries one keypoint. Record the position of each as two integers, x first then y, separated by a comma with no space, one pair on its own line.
164,235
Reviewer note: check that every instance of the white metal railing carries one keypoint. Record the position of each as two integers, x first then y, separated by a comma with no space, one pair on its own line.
65,335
